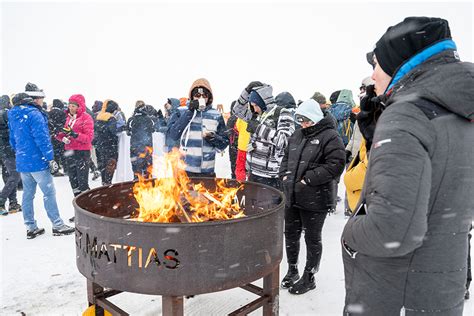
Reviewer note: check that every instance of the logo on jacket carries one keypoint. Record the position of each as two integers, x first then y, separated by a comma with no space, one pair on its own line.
315,142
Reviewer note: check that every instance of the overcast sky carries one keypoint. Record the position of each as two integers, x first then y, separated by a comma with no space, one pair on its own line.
151,51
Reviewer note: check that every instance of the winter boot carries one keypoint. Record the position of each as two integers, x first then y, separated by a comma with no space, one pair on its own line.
305,284
3,211
467,295
30,234
63,230
14,207
96,175
71,220
291,276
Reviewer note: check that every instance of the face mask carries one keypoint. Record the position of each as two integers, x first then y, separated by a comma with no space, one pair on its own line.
202,104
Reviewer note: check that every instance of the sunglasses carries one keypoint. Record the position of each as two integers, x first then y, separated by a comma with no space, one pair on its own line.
198,95
302,119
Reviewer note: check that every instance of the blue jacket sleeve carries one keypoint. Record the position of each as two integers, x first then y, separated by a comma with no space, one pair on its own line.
178,127
39,130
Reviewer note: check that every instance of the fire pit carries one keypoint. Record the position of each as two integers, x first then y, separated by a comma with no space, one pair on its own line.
118,254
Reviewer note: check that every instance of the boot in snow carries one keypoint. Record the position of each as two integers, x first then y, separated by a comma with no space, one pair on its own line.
291,276
14,207
467,295
63,230
3,211
305,284
30,234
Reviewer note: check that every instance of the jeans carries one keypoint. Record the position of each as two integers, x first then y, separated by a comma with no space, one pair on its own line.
11,183
296,220
45,181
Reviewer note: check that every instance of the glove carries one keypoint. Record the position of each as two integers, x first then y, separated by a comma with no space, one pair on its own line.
348,156
53,167
252,126
193,105
253,85
160,114
69,132
210,136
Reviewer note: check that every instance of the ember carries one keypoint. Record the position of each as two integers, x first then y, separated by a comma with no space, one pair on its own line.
173,198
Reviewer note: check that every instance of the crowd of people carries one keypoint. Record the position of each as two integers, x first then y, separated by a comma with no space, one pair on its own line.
403,149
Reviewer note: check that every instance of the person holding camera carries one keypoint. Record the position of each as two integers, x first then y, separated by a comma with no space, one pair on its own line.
30,140
77,135
201,131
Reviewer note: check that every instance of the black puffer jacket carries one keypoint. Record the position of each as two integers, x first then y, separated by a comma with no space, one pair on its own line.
316,155
5,148
140,127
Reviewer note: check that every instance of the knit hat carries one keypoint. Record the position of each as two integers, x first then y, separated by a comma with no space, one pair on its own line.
334,96
319,97
257,99
404,40
112,106
33,91
286,100
311,110
58,104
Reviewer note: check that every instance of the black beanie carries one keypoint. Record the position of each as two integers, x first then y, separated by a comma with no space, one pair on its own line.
58,104
406,39
112,106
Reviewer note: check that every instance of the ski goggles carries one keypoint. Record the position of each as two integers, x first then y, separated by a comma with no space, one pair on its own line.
302,119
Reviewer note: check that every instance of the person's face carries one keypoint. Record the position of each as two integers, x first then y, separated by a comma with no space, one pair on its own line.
381,79
203,95
39,102
72,108
256,108
324,106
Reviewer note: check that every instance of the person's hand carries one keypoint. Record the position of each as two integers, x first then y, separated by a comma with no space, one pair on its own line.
210,136
253,85
53,167
367,103
193,105
69,132
252,126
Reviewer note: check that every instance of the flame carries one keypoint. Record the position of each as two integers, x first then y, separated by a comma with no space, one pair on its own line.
173,198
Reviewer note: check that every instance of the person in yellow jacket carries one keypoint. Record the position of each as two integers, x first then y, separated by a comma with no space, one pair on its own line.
244,139
355,175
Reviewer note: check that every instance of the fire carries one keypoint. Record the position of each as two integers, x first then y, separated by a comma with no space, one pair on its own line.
173,198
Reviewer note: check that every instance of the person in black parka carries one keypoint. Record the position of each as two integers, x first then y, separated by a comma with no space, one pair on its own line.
106,141
56,119
140,128
314,159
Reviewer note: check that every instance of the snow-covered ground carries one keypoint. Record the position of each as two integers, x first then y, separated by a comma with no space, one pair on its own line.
39,276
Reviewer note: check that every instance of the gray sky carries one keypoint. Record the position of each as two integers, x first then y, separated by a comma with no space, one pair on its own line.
151,51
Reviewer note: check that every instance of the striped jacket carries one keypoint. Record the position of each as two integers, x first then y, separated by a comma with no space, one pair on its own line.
199,152
267,145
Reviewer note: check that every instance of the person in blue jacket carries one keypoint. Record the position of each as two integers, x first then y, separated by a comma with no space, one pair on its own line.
200,130
30,139
173,112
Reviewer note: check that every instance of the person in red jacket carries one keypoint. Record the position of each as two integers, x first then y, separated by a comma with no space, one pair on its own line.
77,136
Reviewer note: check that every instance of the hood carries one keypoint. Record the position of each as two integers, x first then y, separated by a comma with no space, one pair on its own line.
346,96
81,101
311,110
286,100
175,103
21,99
204,83
266,93
58,104
443,80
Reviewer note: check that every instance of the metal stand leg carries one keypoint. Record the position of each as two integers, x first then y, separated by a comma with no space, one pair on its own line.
94,290
172,305
271,290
